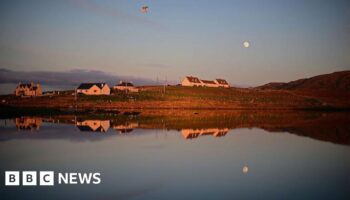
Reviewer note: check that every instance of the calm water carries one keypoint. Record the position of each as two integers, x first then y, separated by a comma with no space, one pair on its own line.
140,160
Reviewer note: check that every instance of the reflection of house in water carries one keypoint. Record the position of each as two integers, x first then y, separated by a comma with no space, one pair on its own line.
125,128
28,123
93,125
194,133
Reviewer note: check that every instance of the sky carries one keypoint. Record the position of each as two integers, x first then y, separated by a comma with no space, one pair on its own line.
289,39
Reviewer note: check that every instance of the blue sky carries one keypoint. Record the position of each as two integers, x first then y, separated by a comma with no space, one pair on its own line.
289,39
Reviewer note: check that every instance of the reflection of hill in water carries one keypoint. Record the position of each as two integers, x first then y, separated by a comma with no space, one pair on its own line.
331,127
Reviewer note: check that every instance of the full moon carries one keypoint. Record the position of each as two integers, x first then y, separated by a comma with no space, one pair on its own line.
246,44
245,169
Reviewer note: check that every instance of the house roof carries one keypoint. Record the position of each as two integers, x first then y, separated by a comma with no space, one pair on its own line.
89,129
27,85
122,83
85,128
208,82
222,81
193,79
89,85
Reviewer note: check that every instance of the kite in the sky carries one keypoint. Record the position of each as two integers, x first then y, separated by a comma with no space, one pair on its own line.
144,9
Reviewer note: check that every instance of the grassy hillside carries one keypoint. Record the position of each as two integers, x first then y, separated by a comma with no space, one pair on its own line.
176,97
337,81
331,88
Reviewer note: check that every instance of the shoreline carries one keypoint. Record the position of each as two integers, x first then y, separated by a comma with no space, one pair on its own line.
296,122
15,111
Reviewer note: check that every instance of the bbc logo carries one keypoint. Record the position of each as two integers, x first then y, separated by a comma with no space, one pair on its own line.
29,178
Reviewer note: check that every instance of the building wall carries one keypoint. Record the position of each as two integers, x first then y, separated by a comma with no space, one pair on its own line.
209,85
94,90
38,91
225,86
186,82
221,85
28,123
106,90
128,88
28,91
95,124
126,126
105,124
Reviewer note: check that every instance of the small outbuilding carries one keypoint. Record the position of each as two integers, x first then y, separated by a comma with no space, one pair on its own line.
125,86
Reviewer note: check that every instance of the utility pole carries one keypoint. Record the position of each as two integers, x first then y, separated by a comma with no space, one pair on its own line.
75,99
165,84
126,88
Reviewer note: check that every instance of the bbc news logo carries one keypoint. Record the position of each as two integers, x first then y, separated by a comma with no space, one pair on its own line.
47,178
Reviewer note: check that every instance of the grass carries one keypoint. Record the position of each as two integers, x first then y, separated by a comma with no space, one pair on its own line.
120,96
176,97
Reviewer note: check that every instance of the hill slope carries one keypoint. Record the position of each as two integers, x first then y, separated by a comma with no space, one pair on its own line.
337,81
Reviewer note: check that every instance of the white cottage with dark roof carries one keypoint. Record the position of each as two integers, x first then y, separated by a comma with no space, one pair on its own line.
195,81
191,81
222,83
94,89
125,86
209,83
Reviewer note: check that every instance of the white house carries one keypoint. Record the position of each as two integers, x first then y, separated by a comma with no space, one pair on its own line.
222,83
195,81
94,89
125,86
208,83
191,81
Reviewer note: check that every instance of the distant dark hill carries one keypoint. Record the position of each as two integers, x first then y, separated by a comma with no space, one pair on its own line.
334,82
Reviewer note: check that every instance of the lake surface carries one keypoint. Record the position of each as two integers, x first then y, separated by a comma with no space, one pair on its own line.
241,156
